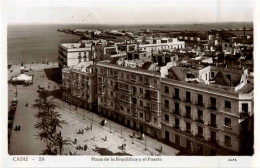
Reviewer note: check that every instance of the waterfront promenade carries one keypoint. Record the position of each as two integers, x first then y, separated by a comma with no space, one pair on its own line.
101,140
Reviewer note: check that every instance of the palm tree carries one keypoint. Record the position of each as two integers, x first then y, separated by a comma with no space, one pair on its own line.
48,123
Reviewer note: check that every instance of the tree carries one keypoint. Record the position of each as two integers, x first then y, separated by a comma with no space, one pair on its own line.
48,123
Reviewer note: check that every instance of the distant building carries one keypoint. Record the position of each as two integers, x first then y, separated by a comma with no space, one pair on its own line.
71,54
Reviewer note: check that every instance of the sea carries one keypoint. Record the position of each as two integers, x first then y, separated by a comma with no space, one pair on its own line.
39,43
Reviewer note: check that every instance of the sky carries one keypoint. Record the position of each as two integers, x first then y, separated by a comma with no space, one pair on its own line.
126,12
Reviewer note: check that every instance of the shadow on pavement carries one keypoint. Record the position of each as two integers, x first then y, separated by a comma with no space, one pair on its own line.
106,152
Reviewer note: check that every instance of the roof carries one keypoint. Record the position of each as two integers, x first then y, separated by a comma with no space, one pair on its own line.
221,79
247,88
172,75
146,65
114,60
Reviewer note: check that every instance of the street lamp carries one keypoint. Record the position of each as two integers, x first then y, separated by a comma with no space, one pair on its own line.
121,132
110,127
145,144
91,122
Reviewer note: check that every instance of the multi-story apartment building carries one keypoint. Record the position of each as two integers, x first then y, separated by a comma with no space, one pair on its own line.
129,92
208,111
71,54
79,85
158,44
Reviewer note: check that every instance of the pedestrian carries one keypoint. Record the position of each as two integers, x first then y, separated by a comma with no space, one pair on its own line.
82,132
75,140
15,128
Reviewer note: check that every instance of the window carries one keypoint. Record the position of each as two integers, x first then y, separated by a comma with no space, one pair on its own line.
134,101
200,99
244,107
229,77
200,114
134,89
227,140
121,108
188,96
212,75
112,104
155,120
227,122
141,115
213,103
177,91
227,104
166,117
141,79
200,131
141,103
188,127
188,111
166,103
176,107
141,90
128,110
177,122
166,89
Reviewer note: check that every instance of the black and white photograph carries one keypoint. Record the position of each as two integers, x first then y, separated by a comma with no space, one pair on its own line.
141,78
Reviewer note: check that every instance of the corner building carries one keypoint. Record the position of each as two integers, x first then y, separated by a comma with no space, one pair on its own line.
208,119
130,95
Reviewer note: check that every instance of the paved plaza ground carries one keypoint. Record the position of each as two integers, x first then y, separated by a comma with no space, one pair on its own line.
101,140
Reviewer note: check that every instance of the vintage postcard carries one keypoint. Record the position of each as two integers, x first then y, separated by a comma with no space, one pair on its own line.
129,83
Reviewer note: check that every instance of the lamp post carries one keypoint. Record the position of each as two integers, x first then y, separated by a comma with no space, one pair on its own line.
110,127
145,144
91,122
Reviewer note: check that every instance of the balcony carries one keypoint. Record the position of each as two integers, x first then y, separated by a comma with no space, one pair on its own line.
134,105
133,80
244,115
199,136
187,116
177,127
212,108
176,112
228,144
116,76
199,103
187,101
188,131
212,124
134,114
199,120
176,97
213,141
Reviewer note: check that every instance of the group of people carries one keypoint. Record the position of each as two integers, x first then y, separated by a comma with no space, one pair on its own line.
17,128
82,147
81,131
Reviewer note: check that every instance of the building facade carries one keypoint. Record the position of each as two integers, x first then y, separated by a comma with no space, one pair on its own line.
71,54
79,86
130,96
206,120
